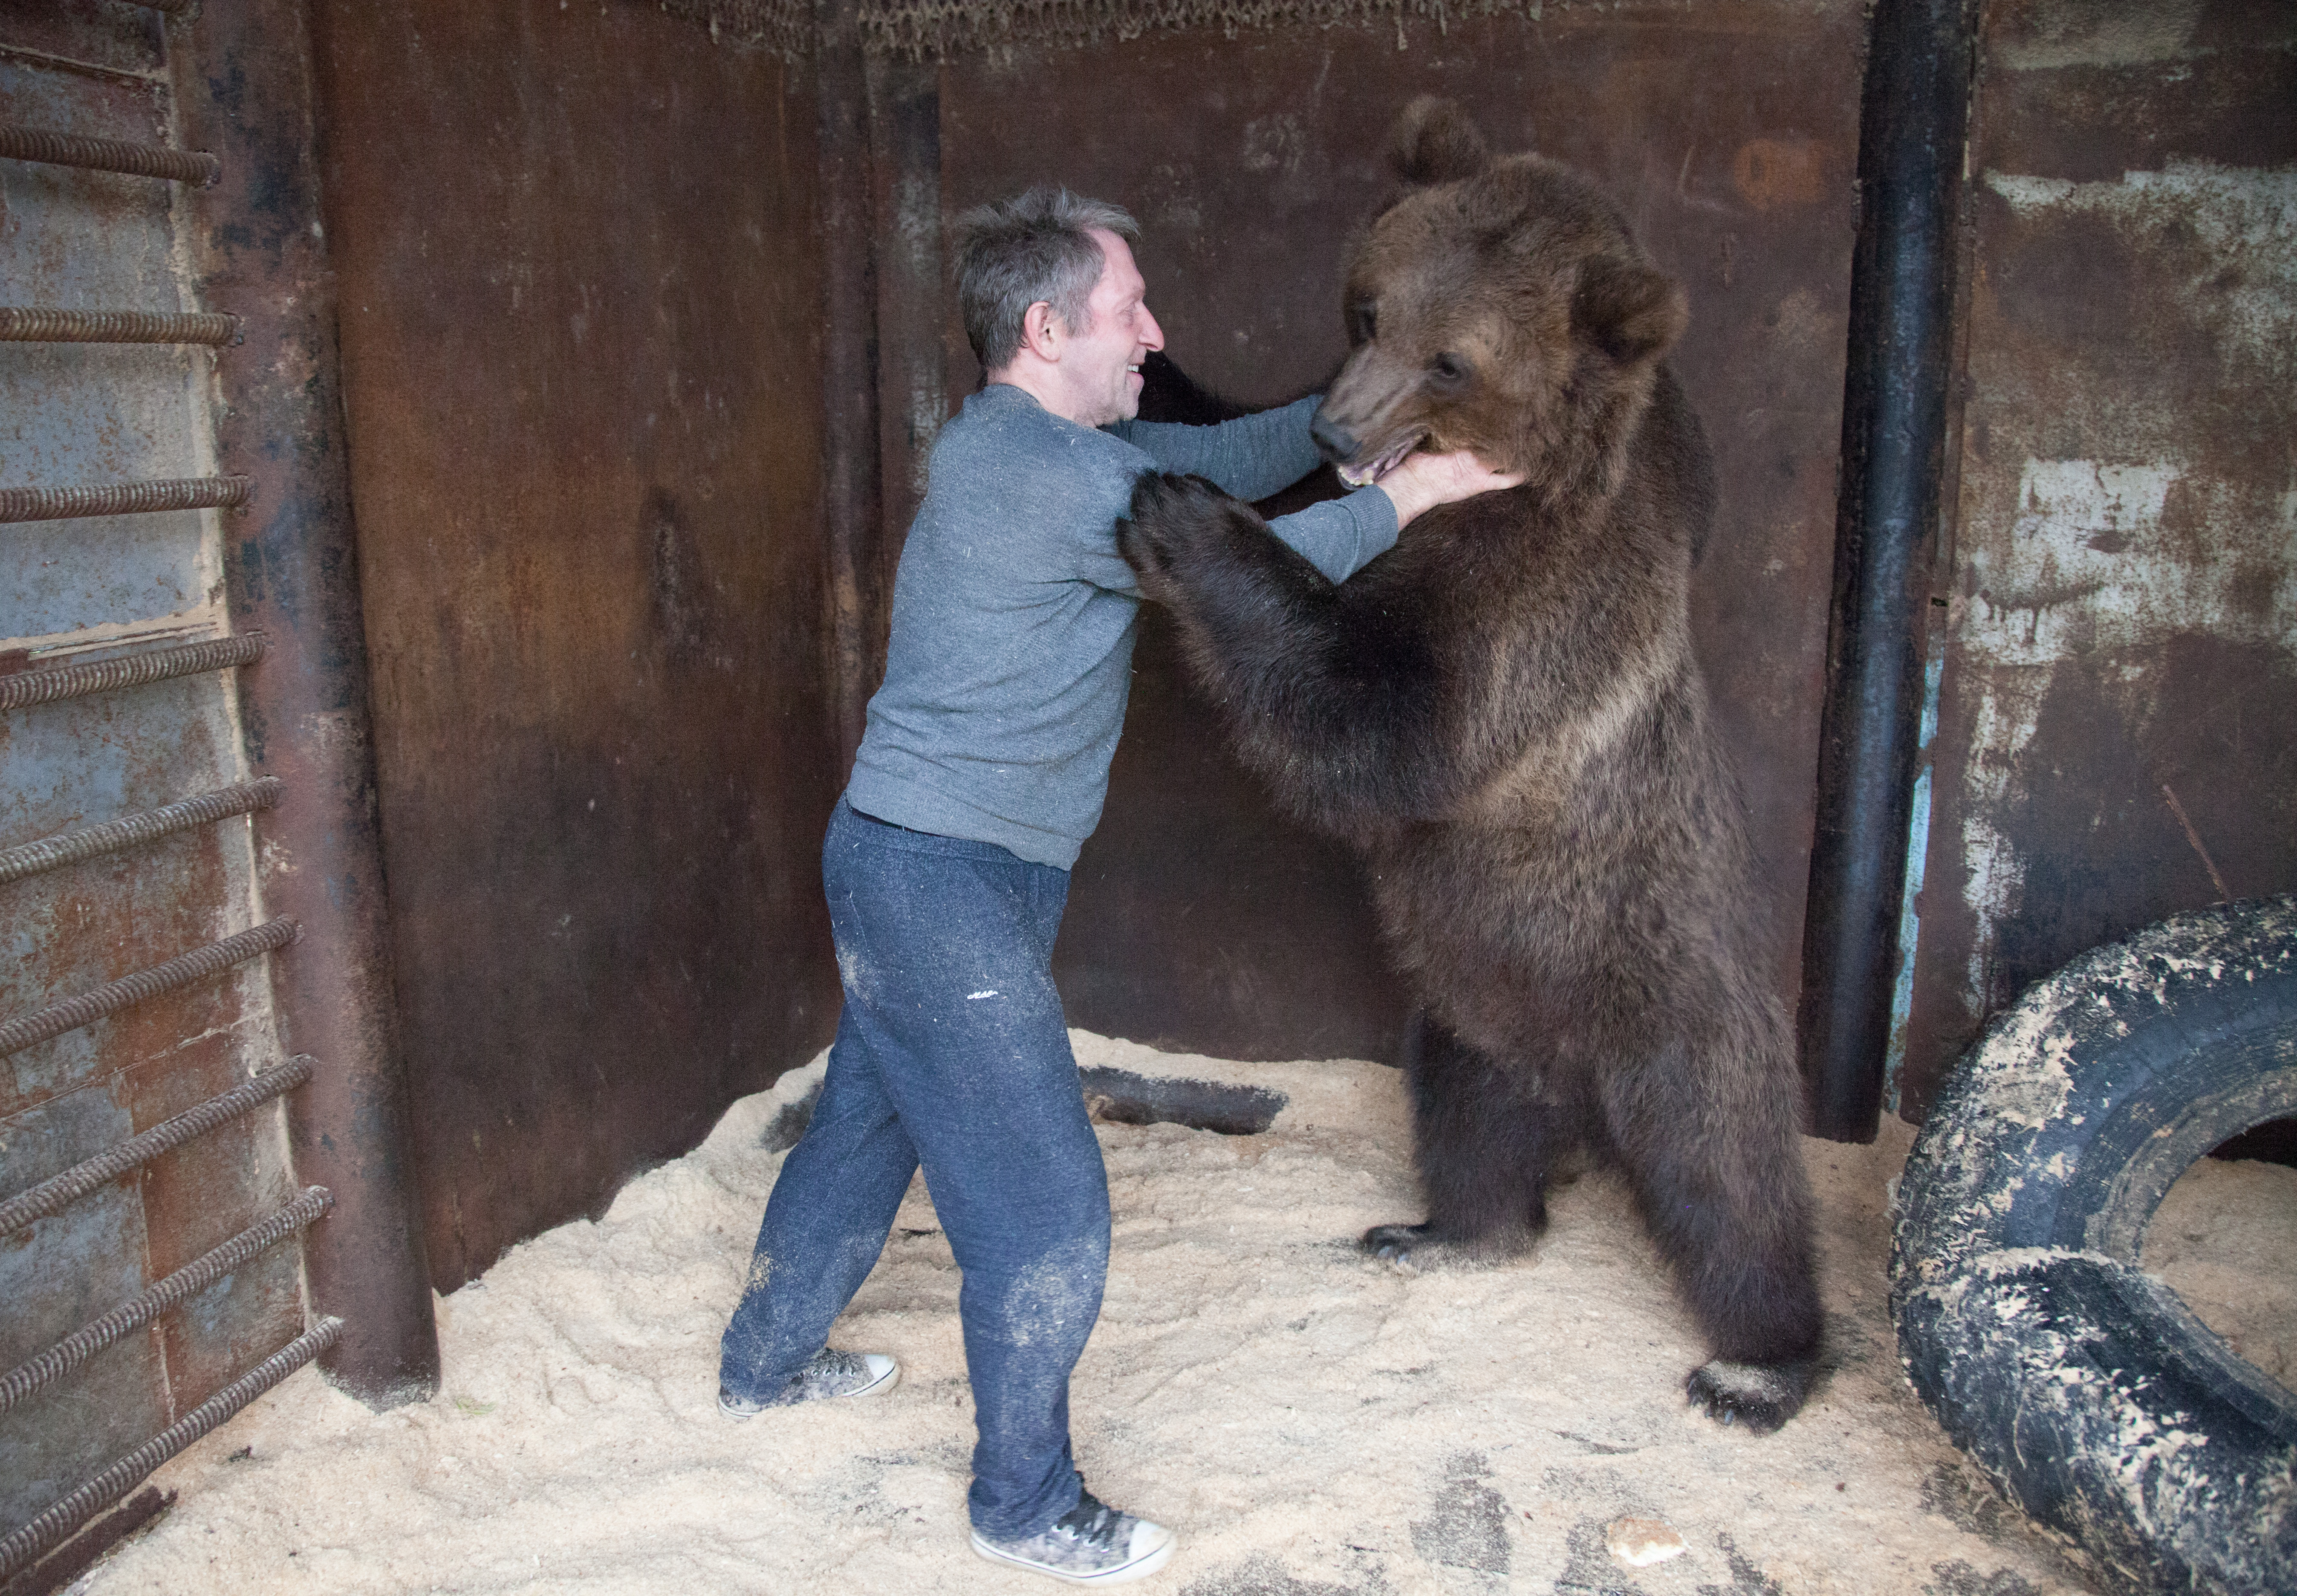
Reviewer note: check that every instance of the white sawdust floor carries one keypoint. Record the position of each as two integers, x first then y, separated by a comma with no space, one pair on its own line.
1312,1422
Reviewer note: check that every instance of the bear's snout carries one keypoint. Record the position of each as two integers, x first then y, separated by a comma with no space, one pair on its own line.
1339,444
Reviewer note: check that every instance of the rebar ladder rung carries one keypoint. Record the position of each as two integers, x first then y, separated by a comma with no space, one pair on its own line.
49,323
59,1192
48,1367
45,1025
52,148
50,683
73,847
52,1527
124,499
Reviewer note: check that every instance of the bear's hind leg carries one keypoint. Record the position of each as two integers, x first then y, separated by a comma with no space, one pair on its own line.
1719,1178
1484,1146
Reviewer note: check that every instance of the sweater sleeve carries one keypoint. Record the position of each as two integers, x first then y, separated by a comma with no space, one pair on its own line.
1341,536
1258,454
1252,457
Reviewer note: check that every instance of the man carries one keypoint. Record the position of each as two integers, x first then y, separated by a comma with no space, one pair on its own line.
981,773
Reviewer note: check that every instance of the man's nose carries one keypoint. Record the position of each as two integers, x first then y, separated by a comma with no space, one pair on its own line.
1152,336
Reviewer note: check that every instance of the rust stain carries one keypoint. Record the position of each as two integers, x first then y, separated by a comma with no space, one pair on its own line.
1771,172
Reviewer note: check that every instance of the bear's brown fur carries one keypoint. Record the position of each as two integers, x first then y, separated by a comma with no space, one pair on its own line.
1503,714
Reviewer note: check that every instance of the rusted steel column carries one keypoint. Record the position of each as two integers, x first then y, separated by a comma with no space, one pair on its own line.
852,502
294,572
1910,146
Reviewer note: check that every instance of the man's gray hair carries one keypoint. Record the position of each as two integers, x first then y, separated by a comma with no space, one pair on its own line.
1011,253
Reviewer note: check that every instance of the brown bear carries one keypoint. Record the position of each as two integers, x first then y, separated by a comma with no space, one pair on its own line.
1503,712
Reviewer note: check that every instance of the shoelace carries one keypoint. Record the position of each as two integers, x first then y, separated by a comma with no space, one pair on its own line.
1091,1520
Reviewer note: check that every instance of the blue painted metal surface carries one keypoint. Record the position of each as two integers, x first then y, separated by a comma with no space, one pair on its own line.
86,415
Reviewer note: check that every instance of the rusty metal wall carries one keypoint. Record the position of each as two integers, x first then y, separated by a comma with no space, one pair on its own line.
2115,737
84,414
581,299
1199,918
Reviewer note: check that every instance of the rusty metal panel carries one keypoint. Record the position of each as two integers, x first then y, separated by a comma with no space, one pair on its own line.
581,301
98,38
84,415
1729,132
2115,739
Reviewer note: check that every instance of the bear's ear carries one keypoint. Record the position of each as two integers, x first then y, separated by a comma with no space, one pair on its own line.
1433,142
1630,312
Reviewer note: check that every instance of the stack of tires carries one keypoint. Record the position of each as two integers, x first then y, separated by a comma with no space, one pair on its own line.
2082,1385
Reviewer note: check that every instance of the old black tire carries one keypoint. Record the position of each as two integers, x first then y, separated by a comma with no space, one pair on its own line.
2082,1385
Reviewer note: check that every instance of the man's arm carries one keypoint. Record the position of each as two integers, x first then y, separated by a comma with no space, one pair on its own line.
1250,457
1341,536
1255,456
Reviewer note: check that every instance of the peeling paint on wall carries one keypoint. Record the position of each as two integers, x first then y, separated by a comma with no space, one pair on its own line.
2247,217
2122,646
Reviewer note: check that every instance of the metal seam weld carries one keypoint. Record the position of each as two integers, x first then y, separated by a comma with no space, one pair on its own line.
60,1191
58,1523
51,148
73,847
42,1025
48,323
29,688
124,499
85,1342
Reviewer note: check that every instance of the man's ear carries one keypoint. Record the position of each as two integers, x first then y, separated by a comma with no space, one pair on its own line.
1039,325
1630,312
1433,141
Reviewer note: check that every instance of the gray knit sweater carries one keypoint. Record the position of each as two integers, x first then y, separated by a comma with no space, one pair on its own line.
1013,612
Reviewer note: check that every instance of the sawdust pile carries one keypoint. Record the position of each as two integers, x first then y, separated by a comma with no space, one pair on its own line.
1314,1423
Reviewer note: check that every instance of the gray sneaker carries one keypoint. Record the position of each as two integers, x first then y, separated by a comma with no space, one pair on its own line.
827,1373
1090,1545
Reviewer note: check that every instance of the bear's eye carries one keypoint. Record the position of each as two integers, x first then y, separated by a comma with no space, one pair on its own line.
1448,370
1364,317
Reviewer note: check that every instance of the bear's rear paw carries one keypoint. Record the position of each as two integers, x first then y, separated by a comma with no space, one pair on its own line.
1397,1241
1762,1396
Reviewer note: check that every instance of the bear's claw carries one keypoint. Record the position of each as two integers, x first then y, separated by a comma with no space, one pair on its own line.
1169,512
1765,1396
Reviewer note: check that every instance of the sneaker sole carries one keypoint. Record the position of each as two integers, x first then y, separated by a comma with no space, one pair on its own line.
883,1383
1140,1567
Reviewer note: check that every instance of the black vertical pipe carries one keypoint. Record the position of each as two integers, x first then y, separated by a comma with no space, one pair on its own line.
1912,126
851,498
244,73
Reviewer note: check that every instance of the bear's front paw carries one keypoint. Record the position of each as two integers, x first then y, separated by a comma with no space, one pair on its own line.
1171,514
1762,1396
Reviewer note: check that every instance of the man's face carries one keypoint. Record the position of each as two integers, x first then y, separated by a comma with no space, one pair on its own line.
1103,361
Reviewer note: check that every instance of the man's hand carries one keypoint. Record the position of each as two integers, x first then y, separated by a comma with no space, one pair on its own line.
1424,480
